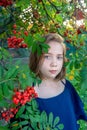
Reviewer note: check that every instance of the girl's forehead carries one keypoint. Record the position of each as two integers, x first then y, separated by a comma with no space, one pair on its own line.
55,47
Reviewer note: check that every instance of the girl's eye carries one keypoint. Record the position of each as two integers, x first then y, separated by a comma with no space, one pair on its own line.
47,57
60,57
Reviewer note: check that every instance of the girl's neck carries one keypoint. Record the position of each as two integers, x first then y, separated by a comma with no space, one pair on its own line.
49,82
49,88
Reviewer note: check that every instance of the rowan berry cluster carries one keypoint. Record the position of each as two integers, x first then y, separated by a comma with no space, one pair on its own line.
23,97
5,3
16,30
14,42
8,114
19,98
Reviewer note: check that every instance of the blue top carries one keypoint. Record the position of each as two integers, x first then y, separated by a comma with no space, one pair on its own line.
67,105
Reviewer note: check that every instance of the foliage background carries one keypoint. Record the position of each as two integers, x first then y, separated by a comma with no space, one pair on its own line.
34,18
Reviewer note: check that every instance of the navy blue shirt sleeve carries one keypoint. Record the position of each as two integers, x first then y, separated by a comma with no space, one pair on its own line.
78,104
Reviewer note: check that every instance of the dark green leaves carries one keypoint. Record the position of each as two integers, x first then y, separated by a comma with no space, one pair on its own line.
50,119
21,110
39,46
3,128
56,121
23,122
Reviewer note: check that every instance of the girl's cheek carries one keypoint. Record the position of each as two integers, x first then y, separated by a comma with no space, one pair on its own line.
47,61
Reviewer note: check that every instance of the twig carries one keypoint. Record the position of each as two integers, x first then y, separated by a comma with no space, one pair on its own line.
53,5
48,16
7,80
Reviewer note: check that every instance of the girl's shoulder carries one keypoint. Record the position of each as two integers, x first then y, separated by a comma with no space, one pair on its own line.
69,86
72,90
68,83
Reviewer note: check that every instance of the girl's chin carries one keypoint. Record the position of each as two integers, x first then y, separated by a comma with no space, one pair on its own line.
51,77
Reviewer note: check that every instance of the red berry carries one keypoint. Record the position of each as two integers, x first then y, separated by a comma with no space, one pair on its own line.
14,26
26,33
3,114
14,32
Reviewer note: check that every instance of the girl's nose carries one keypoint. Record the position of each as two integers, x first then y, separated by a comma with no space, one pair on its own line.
54,63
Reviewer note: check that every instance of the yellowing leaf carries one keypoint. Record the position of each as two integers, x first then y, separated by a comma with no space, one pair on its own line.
71,77
15,124
29,27
24,76
17,66
72,72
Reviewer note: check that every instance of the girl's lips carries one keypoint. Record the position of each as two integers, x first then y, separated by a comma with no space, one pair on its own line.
53,71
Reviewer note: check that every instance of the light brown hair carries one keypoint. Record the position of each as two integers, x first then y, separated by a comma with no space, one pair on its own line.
35,59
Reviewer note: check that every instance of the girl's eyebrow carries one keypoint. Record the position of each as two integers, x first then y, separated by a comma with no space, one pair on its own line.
52,54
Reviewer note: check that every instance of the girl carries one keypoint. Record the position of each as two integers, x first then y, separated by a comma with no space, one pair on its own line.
55,93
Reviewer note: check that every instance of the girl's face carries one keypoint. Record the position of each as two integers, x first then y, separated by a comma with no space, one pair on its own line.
52,62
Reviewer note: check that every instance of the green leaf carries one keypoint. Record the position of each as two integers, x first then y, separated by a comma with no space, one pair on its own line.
32,118
11,85
25,128
4,128
59,18
57,3
1,93
12,72
38,118
34,125
39,50
33,121
61,126
83,73
29,40
1,72
71,64
39,38
77,64
1,56
3,103
34,104
16,128
45,47
5,90
34,47
83,84
29,128
30,110
56,121
55,129
14,123
21,110
23,4
23,122
24,116
50,119
44,117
